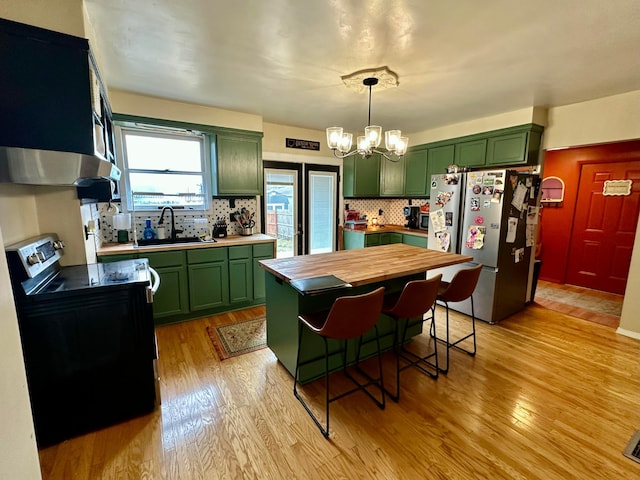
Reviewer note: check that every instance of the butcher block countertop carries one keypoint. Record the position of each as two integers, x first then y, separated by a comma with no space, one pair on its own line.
364,265
230,241
388,229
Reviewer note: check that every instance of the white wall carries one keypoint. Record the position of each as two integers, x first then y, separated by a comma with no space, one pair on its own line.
609,119
18,450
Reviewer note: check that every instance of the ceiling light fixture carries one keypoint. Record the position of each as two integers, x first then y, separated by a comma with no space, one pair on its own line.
340,142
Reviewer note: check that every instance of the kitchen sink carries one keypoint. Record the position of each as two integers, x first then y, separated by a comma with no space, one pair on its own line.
169,241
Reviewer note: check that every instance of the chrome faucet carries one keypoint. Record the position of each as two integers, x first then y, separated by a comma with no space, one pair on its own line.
173,233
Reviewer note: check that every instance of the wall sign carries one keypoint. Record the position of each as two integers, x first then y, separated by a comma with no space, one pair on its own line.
303,144
616,187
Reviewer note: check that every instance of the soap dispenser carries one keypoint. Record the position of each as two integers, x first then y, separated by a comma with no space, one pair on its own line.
148,233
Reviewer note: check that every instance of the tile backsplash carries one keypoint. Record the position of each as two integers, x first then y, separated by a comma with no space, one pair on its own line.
391,208
193,224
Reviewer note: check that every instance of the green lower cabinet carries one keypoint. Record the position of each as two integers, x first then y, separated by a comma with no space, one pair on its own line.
172,297
352,239
415,240
240,274
390,237
240,280
372,239
204,281
208,285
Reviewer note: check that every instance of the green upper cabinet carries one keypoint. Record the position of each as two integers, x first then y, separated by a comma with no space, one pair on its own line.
392,177
236,161
471,154
516,148
416,171
439,158
365,175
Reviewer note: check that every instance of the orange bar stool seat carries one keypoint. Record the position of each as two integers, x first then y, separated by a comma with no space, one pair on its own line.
460,288
408,308
349,318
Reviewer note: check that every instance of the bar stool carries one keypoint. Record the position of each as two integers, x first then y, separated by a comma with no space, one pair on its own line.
460,288
349,318
416,298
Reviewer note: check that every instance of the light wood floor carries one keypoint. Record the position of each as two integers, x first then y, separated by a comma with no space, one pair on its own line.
547,397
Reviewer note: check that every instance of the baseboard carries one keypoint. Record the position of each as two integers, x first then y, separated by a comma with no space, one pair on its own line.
628,333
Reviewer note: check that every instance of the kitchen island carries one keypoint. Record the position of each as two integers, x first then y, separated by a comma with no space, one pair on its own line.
391,266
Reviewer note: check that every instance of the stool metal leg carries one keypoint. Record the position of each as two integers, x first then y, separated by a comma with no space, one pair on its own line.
455,345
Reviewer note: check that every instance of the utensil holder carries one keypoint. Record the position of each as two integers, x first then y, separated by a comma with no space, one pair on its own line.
246,231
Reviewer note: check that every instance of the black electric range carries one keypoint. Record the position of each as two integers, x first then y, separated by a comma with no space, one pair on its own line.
87,336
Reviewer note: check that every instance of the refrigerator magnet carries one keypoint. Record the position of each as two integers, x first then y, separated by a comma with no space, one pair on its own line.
479,220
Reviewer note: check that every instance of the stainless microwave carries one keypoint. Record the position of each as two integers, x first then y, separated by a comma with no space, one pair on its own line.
423,221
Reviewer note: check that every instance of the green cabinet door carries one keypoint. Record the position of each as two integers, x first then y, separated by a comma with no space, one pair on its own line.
367,176
261,251
352,239
392,177
348,176
472,153
237,166
172,297
507,149
390,237
372,240
416,166
415,240
240,274
240,280
439,158
208,285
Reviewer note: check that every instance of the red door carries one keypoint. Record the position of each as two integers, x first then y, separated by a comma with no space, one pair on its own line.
604,227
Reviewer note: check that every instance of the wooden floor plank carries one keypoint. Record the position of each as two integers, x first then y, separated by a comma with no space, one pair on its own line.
547,396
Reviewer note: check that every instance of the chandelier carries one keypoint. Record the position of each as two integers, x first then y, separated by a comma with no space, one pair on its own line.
340,142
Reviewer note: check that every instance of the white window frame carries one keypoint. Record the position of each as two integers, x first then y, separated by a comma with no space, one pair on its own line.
163,132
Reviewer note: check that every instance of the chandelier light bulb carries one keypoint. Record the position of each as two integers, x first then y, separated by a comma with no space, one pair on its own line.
345,142
334,137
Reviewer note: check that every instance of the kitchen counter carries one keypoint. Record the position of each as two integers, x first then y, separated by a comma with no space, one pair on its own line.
230,241
363,266
388,229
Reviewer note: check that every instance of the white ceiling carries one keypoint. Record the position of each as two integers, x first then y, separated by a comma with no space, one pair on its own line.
456,60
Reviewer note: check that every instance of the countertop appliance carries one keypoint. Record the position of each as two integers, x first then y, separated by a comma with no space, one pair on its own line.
489,215
411,214
87,337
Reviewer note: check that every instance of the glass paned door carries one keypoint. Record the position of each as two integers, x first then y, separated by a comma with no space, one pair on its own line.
322,207
281,209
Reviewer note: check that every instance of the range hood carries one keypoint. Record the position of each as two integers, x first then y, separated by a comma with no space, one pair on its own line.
48,167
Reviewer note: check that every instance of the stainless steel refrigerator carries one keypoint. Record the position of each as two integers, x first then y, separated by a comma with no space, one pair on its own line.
492,218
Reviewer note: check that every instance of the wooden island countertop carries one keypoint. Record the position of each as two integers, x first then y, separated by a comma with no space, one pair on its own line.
365,265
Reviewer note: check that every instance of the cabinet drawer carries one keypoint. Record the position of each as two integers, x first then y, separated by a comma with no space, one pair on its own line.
164,259
207,255
117,258
263,250
241,251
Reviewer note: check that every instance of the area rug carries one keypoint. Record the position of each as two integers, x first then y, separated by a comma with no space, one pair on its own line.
239,338
595,306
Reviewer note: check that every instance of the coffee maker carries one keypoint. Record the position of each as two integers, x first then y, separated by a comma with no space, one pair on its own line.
412,216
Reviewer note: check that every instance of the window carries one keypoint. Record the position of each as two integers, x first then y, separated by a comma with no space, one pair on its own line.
164,166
